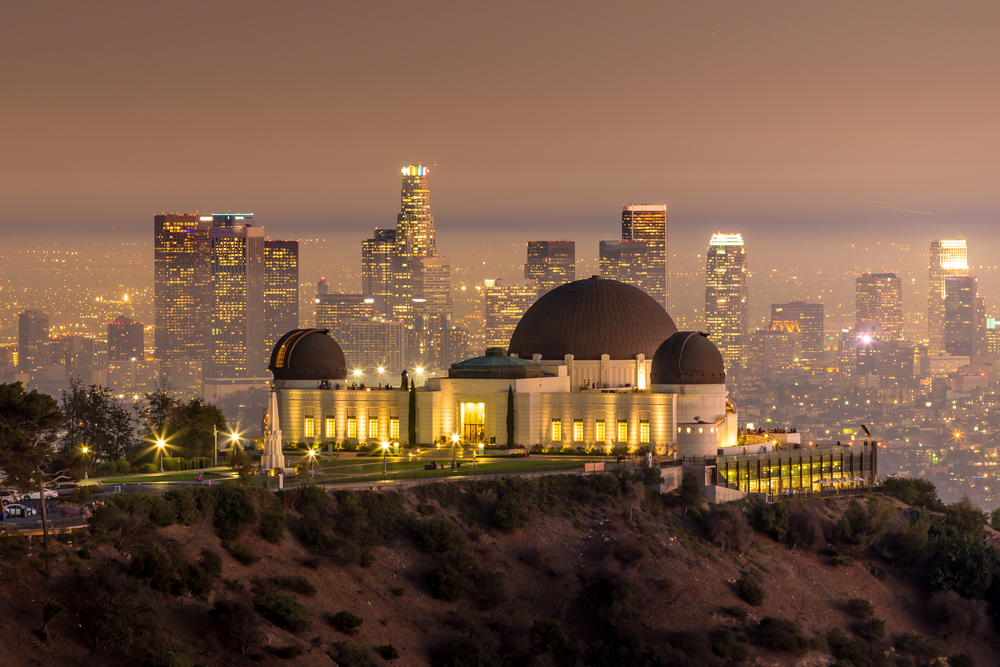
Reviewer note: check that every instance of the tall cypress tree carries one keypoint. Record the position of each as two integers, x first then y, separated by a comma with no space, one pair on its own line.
510,415
411,414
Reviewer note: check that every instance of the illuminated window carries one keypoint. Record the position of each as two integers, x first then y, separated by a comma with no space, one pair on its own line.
577,430
394,428
474,422
330,431
601,434
556,430
644,432
352,427
373,427
622,430
310,427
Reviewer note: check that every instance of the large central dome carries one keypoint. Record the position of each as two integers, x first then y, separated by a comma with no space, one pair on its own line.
591,317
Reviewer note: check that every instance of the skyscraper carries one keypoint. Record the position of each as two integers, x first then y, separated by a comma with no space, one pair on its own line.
32,341
377,256
726,296
551,263
949,258
505,302
648,224
182,302
334,307
237,296
415,239
810,319
281,291
960,335
878,297
126,340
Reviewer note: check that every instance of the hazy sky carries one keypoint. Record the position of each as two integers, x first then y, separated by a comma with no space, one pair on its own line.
779,119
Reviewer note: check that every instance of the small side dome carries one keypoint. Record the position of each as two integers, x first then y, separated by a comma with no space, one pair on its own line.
688,357
307,354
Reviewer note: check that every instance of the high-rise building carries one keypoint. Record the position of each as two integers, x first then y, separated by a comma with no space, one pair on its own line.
648,225
415,239
237,296
949,258
810,319
32,341
960,335
182,271
551,263
770,350
334,307
878,297
371,344
377,256
126,339
505,302
281,291
726,296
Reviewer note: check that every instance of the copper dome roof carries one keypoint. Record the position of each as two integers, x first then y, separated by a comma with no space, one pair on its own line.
688,357
307,354
591,317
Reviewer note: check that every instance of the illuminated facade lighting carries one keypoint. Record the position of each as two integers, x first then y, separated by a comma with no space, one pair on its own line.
727,296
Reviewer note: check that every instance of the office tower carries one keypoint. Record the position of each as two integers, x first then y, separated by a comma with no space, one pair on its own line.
370,344
182,301
237,296
377,256
454,346
610,259
32,341
505,302
126,340
878,297
415,239
551,263
992,336
433,276
949,258
960,316
726,296
648,224
770,350
334,307
982,344
281,291
321,287
809,317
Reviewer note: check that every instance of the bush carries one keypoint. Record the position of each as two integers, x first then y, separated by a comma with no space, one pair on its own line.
148,469
549,636
964,564
154,566
346,622
367,558
738,612
273,526
290,652
211,562
350,517
476,650
449,583
349,654
244,554
233,508
284,611
727,528
311,498
961,660
805,528
722,640
440,534
864,524
855,652
112,468
512,513
387,651
82,495
750,589
239,624
860,609
916,492
173,654
779,634
296,584
872,630
191,504
921,649
315,535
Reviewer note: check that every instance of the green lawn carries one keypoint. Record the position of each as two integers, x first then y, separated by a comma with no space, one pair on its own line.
166,477
464,471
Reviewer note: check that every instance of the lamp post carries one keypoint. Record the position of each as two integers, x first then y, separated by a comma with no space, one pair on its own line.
385,454
85,449
312,464
161,444
215,450
454,450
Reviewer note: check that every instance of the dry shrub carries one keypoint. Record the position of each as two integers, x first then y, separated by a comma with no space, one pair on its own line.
955,615
805,528
727,528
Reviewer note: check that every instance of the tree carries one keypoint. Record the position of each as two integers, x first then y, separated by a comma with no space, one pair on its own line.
411,415
191,428
510,415
154,410
28,425
97,420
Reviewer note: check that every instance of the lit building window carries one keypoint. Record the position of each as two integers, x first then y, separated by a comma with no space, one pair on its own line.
577,430
373,427
601,434
330,432
622,430
310,427
394,428
352,427
556,430
644,432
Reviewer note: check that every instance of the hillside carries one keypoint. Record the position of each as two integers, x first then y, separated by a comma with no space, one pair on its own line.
565,570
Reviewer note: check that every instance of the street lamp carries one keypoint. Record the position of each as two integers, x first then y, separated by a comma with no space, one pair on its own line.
454,450
312,463
161,444
85,449
385,454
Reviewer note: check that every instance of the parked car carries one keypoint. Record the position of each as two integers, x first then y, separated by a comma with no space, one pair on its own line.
66,488
15,511
33,495
10,495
